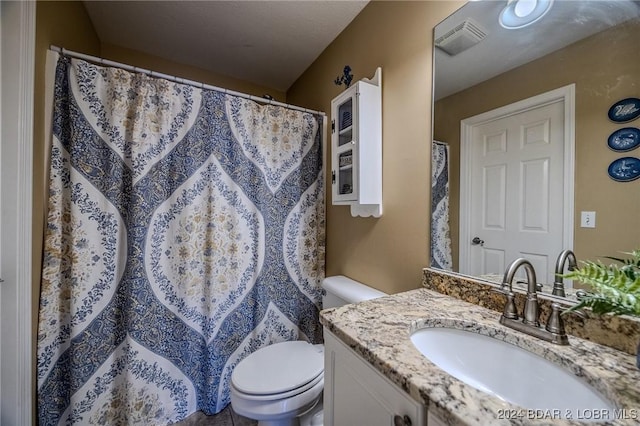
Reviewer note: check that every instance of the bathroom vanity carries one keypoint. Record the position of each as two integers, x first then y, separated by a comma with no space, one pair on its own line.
357,393
375,374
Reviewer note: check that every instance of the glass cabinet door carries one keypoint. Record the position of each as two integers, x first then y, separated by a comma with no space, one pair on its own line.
345,122
344,151
345,173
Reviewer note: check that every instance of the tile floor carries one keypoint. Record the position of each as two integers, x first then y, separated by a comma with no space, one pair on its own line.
226,417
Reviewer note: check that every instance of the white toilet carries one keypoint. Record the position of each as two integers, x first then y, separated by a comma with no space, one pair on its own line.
281,384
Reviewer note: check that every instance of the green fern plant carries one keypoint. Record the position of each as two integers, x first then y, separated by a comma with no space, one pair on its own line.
616,287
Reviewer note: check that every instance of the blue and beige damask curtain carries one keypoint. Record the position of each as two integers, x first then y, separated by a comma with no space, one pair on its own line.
185,230
440,237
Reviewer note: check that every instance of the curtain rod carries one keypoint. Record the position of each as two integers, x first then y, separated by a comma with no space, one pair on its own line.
126,67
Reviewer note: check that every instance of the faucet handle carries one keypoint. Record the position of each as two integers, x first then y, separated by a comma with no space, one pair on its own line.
581,294
555,325
510,310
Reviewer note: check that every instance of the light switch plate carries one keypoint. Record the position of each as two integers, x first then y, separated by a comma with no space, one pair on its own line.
588,219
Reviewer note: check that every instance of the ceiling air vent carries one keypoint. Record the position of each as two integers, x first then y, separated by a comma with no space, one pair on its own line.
461,38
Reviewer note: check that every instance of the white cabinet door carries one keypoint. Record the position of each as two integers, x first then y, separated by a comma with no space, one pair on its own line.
434,420
357,394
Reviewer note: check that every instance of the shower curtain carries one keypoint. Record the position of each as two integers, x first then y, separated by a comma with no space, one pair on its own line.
185,231
440,237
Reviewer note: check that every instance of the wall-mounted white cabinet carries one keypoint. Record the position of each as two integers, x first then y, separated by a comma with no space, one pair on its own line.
357,394
356,147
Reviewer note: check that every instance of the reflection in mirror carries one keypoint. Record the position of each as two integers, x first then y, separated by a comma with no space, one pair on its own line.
520,153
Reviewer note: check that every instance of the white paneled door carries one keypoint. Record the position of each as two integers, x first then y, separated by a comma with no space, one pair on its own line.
516,190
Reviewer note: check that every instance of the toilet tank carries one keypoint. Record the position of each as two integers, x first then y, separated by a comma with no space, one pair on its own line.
340,290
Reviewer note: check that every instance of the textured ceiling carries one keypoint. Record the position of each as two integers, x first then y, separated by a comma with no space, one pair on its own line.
567,22
270,43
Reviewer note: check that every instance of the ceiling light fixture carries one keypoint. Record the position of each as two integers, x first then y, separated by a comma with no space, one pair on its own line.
522,13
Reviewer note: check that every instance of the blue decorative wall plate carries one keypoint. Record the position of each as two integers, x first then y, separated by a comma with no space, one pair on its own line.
624,139
625,110
625,169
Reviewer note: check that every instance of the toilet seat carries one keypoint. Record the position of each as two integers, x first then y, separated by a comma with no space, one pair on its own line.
273,396
278,411
279,370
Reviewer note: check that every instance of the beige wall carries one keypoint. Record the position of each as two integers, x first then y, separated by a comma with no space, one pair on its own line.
387,253
605,69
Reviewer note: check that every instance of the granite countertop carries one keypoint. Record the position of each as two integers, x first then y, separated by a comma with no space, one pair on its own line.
379,330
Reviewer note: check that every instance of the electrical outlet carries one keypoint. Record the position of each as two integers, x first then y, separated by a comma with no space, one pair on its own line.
588,219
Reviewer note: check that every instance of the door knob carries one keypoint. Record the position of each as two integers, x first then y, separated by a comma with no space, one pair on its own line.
477,241
401,420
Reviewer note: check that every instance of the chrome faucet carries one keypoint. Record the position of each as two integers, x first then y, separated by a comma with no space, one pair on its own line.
554,331
558,285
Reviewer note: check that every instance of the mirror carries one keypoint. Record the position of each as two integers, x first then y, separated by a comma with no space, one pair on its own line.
585,49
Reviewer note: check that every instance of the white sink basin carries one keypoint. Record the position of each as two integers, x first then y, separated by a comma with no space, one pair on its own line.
511,373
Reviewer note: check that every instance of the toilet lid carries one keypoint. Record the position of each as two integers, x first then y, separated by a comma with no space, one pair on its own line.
279,368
